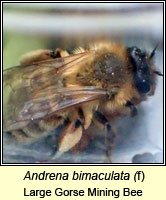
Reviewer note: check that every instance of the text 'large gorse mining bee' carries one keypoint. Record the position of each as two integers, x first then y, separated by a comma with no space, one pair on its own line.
51,88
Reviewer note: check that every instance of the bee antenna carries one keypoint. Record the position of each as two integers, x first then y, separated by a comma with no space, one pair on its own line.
153,52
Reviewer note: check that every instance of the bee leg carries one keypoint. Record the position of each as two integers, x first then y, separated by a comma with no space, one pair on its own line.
69,137
110,135
35,56
133,109
58,53
85,114
41,55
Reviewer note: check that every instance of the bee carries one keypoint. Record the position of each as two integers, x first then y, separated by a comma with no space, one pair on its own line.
52,88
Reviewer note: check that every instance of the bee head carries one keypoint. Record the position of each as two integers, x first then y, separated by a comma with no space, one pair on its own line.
141,63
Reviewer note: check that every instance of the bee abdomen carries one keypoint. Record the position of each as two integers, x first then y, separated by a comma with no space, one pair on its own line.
35,130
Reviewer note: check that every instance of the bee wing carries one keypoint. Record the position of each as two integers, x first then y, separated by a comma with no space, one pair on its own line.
39,74
35,91
46,103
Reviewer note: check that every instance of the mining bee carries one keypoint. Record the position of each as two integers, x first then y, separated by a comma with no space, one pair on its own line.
52,88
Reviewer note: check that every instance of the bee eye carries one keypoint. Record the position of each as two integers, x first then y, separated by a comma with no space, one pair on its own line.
141,70
143,86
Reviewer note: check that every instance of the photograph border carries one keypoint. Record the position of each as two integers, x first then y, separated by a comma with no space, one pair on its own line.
82,164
